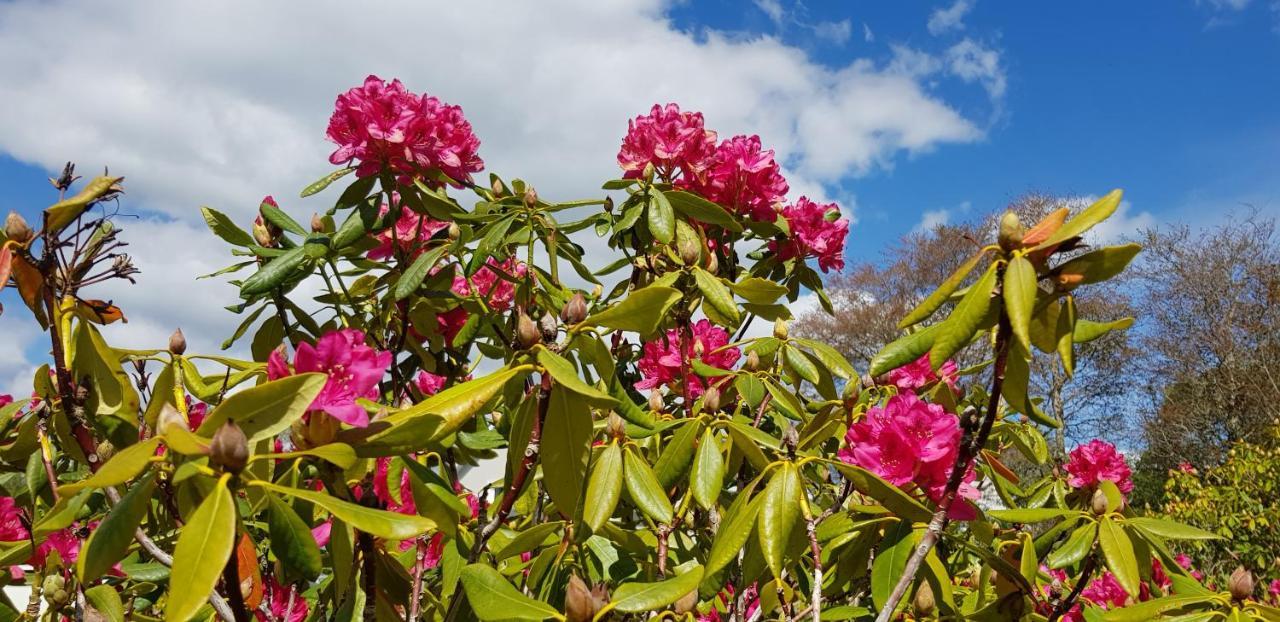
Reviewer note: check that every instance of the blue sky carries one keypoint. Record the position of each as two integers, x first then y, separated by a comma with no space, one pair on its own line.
906,113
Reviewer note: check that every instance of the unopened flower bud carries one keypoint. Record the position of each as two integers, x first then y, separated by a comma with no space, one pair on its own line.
713,263
548,326
497,188
686,603
1241,583
177,342
597,291
16,228
615,427
317,223
655,402
711,400
575,310
454,231
229,448
531,197
579,606
924,603
649,171
608,205
1011,231
791,438
753,361
105,450
262,235
698,348
1098,503
527,333
690,250
780,328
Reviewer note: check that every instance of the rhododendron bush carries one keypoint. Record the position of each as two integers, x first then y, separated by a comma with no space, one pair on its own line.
656,449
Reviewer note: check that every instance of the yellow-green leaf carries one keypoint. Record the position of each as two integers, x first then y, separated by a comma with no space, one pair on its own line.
1117,549
644,488
778,514
492,597
604,487
944,291
1020,297
122,467
1085,220
964,320
379,523
642,311
267,409
204,546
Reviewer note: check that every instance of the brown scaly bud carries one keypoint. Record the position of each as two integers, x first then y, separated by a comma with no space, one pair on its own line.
548,326
1241,583
17,229
497,188
105,450
791,438
1098,503
924,603
177,343
1011,231
575,310
711,400
454,231
690,250
527,333
317,223
608,205
615,427
686,603
229,448
531,197
713,263
655,402
753,361
780,328
579,606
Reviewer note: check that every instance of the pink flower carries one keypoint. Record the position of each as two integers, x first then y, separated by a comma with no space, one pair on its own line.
492,282
1096,461
11,527
411,229
1105,591
742,177
196,412
64,542
1186,467
1274,590
354,370
320,533
817,230
383,125
920,373
382,490
673,142
451,322
434,551
429,383
910,442
661,361
5,400
278,601
1185,561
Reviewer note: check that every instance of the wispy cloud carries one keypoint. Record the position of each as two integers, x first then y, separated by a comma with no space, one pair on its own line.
944,20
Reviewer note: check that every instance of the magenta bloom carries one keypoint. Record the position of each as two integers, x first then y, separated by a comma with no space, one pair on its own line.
817,230
742,177
497,289
674,142
910,442
382,490
429,383
63,541
11,527
278,601
1096,461
383,125
920,373
354,370
661,361
407,235
5,400
1105,591
1185,561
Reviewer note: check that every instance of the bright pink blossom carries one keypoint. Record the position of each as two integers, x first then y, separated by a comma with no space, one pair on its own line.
354,370
320,533
742,177
382,488
1096,461
1274,590
5,400
1186,562
1186,467
278,599
1106,592
920,373
64,542
817,230
11,527
411,229
493,282
429,383
910,442
1159,576
674,142
383,125
662,362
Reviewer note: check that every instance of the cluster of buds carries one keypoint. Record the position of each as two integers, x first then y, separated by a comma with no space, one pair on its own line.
581,603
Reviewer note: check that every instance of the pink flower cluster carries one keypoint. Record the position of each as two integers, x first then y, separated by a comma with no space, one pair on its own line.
12,529
674,142
1095,461
278,602
384,126
1106,592
353,369
920,373
910,442
661,363
817,230
411,229
743,177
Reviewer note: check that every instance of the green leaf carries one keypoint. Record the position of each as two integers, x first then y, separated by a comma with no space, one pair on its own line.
759,291
354,227
662,220
567,377
830,357
715,294
892,497
891,561
291,540
322,183
273,214
940,295
1085,220
566,439
964,320
702,210
677,455
106,601
493,598
1170,530
903,350
66,211
204,546
644,489
800,364
121,468
604,487
338,454
1065,333
109,541
1032,515
267,409
637,597
1117,549
274,273
1087,331
417,272
778,514
1020,297
1098,265
735,529
378,523
1077,546
532,537
222,226
707,479
641,312
1152,609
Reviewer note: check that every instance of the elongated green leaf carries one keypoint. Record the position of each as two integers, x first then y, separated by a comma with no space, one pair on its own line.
417,272
736,528
291,540
222,226
566,439
758,291
800,364
493,598
121,468
702,210
662,219
106,601
1098,265
964,320
65,212
830,357
1077,546
778,514
531,538
1151,610
278,217
379,523
267,409
338,454
604,487
1065,333
109,542
677,455
1088,331
940,295
1170,530
638,597
322,183
707,479
567,377
641,312
1020,297
1117,549
644,489
1031,515
354,228
903,350
204,546
274,273
892,497
1085,220
891,561
715,294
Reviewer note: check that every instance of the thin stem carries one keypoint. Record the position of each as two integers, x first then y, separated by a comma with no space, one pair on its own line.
1064,605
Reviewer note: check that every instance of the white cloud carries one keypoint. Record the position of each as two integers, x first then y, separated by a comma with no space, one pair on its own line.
835,32
1229,5
971,61
772,8
951,18
933,218
867,35
1122,224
